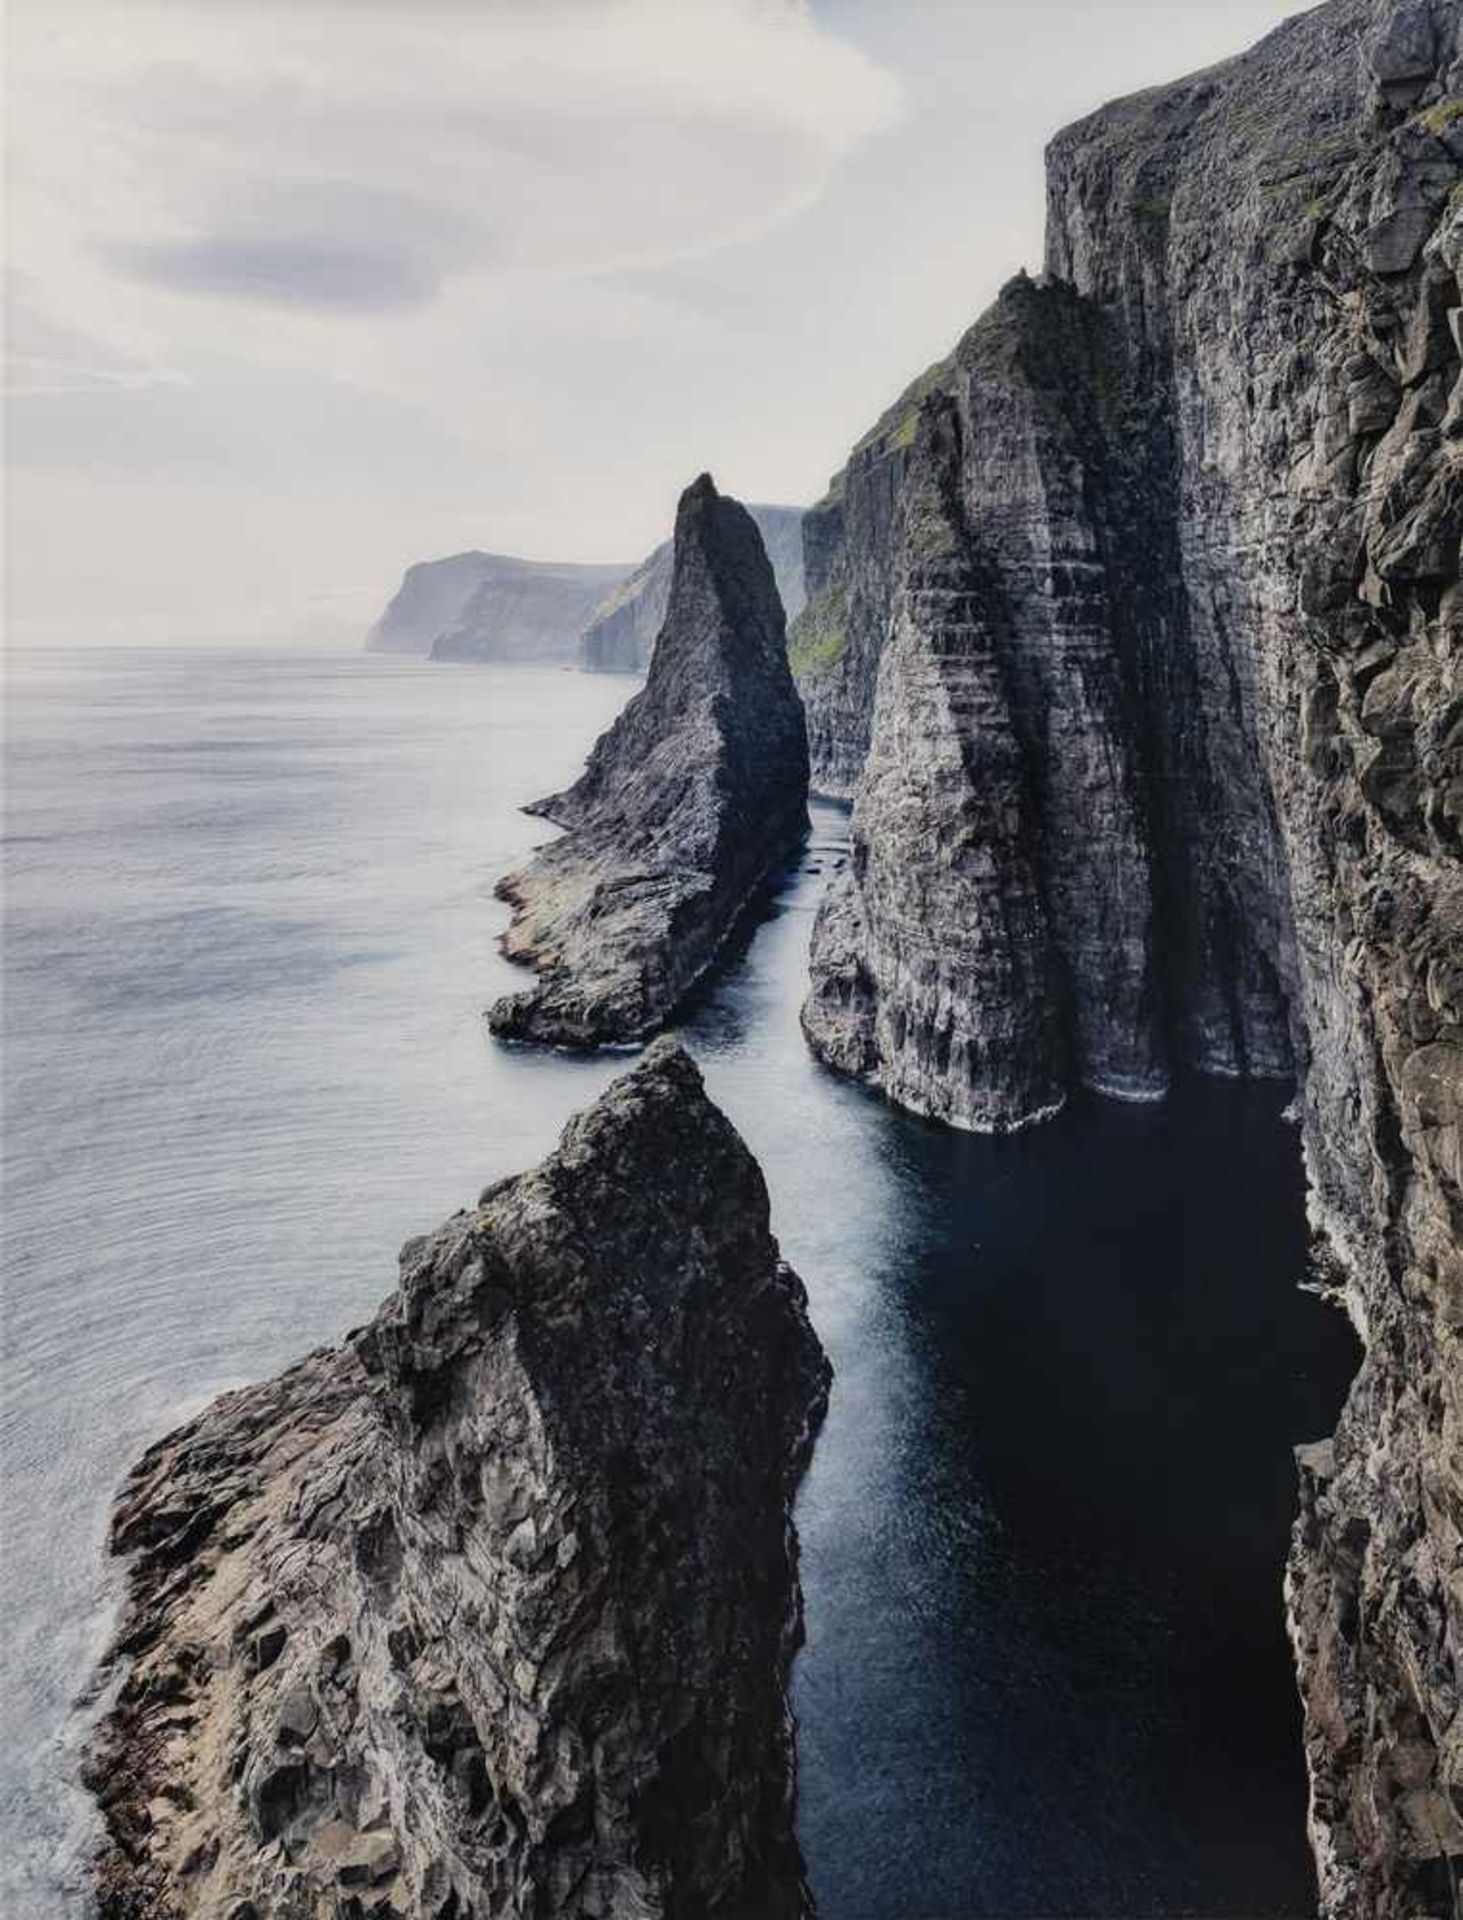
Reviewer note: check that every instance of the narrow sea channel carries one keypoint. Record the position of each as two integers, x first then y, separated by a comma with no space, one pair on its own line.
249,937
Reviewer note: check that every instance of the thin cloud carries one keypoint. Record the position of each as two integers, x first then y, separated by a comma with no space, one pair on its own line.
32,375
322,277
314,288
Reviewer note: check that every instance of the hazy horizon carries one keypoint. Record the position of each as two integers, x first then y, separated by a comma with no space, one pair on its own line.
299,296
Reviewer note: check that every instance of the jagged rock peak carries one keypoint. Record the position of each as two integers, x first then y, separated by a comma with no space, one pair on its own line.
623,631
687,803
490,1609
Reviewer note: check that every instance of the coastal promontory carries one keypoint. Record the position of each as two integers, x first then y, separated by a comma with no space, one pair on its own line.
489,1610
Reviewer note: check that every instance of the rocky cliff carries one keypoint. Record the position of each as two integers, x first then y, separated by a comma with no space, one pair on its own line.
933,969
490,1609
1005,859
1174,673
526,610
694,795
848,567
620,637
431,596
491,606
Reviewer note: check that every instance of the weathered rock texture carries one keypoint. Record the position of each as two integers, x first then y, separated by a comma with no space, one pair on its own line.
1105,750
621,636
933,970
489,1611
686,805
490,606
1205,576
1005,864
849,541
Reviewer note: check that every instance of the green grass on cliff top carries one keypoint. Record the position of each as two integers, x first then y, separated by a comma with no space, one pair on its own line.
817,638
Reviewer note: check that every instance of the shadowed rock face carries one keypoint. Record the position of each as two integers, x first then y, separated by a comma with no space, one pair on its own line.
932,954
1210,504
1291,302
1157,877
694,795
621,636
490,1609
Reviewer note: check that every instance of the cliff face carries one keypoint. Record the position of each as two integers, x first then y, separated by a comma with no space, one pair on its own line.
694,795
848,572
932,971
490,1610
1159,931
1210,489
1301,341
526,610
431,596
491,606
621,636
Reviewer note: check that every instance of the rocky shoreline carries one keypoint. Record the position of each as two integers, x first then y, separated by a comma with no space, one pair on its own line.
450,1619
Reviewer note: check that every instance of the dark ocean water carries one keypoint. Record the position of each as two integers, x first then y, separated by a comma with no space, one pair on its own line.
249,932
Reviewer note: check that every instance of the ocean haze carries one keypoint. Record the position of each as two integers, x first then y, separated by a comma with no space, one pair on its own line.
299,296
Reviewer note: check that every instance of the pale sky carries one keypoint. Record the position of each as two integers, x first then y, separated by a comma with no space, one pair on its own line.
300,291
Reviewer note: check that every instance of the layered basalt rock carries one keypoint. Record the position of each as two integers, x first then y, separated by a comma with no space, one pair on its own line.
931,974
1256,579
490,1610
687,804
1152,881
621,636
849,558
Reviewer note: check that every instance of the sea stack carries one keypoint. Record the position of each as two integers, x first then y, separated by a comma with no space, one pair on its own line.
622,634
692,798
490,1609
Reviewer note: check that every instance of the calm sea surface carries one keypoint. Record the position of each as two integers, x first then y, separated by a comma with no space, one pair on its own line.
249,934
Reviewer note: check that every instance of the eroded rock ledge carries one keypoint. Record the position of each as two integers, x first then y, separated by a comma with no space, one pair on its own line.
692,798
490,1609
